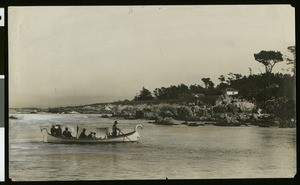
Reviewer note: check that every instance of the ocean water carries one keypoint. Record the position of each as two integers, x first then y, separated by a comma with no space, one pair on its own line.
175,152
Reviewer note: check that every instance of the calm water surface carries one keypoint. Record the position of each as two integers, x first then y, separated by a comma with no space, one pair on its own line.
176,152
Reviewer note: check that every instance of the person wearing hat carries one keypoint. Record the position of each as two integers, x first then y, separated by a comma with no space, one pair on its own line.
115,129
53,130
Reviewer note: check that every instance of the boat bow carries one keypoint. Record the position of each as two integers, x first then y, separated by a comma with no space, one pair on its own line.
138,126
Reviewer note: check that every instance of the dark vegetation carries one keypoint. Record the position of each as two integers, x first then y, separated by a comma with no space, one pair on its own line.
266,99
273,93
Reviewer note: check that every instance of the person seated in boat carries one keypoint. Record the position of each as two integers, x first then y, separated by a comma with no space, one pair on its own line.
67,133
115,129
53,130
59,131
82,134
92,135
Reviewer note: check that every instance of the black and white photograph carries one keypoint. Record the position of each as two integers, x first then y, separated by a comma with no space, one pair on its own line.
151,92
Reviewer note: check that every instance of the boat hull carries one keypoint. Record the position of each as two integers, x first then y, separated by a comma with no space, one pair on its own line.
129,137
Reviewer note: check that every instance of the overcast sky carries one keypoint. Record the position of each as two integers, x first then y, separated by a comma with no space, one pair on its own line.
61,56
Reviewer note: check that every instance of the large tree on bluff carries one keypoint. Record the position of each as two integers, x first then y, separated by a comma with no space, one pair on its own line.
268,59
145,94
206,82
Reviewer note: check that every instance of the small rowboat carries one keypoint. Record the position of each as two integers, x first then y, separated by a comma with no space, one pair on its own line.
102,136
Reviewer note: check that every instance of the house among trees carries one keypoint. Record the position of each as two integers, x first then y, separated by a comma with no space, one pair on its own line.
231,91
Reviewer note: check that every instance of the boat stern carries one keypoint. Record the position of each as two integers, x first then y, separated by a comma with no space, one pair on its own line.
45,134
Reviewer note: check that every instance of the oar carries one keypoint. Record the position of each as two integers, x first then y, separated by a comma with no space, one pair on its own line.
77,131
126,136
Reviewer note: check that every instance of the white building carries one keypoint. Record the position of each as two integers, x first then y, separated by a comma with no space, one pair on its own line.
231,91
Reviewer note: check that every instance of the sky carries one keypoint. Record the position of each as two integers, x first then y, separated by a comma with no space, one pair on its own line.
62,56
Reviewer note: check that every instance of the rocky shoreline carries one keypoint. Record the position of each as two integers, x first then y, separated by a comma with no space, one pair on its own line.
226,112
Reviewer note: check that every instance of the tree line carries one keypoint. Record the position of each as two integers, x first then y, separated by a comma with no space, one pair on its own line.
260,87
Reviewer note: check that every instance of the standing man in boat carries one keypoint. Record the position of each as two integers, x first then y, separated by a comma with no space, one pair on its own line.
115,129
